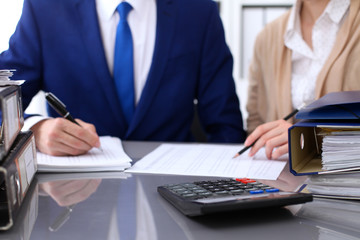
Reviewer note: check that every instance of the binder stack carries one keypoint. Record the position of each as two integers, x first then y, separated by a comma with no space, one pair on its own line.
334,116
326,145
17,154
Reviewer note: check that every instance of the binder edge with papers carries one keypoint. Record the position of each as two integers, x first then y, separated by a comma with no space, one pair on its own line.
304,148
344,185
18,168
338,111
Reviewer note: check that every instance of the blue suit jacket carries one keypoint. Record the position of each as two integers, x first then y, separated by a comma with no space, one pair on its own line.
57,47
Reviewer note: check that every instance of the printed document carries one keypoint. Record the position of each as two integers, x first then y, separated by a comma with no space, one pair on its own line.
111,157
340,149
208,160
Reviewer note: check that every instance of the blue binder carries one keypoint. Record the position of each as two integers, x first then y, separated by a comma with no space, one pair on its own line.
338,111
305,146
335,105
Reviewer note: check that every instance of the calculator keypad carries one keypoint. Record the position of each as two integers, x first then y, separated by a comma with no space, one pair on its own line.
219,188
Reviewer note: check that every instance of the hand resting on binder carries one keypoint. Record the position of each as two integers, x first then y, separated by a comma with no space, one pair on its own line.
59,136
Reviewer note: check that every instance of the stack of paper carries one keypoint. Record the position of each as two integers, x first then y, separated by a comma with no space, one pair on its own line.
110,158
342,185
5,75
341,150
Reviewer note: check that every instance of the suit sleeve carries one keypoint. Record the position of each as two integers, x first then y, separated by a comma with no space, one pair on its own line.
218,104
24,54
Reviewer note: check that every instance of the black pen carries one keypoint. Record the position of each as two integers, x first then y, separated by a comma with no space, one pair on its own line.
59,107
287,117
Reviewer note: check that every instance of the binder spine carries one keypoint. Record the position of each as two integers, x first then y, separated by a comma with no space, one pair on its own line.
16,173
12,117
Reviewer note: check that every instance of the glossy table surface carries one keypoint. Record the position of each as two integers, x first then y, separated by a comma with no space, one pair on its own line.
95,206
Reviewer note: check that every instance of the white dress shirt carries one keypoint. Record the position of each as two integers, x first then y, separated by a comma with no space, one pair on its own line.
307,62
142,22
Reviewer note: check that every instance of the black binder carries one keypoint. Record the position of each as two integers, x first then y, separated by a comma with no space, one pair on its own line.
17,170
26,217
12,117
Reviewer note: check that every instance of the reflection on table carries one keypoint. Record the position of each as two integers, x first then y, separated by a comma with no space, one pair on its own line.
123,206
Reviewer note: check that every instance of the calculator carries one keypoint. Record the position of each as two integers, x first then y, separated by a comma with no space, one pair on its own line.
216,196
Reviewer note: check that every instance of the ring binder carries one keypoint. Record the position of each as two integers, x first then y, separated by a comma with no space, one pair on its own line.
17,169
308,148
12,117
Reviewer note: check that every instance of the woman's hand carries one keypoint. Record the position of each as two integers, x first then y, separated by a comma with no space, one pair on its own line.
272,135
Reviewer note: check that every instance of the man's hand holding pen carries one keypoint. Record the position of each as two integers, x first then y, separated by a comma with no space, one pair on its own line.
64,136
59,136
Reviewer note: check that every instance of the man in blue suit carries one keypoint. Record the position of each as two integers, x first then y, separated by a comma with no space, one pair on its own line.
67,47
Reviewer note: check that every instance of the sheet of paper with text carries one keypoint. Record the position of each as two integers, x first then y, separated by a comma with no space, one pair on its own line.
208,160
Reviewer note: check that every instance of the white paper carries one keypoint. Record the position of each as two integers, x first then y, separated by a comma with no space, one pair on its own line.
341,150
208,160
111,158
5,75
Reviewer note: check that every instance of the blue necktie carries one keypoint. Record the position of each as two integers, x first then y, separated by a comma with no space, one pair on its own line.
123,63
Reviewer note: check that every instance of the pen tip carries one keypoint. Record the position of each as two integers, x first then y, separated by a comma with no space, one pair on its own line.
236,155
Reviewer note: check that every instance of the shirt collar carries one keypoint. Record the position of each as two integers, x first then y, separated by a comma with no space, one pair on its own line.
107,8
336,10
293,36
293,25
294,17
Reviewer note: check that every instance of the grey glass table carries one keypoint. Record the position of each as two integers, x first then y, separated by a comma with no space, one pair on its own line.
127,206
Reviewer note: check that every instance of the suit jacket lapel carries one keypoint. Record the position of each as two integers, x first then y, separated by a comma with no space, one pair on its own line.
90,32
164,30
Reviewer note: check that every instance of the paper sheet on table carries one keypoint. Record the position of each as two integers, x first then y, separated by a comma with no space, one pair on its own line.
208,160
112,157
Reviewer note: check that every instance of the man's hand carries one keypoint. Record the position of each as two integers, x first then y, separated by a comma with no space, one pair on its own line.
271,135
59,137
